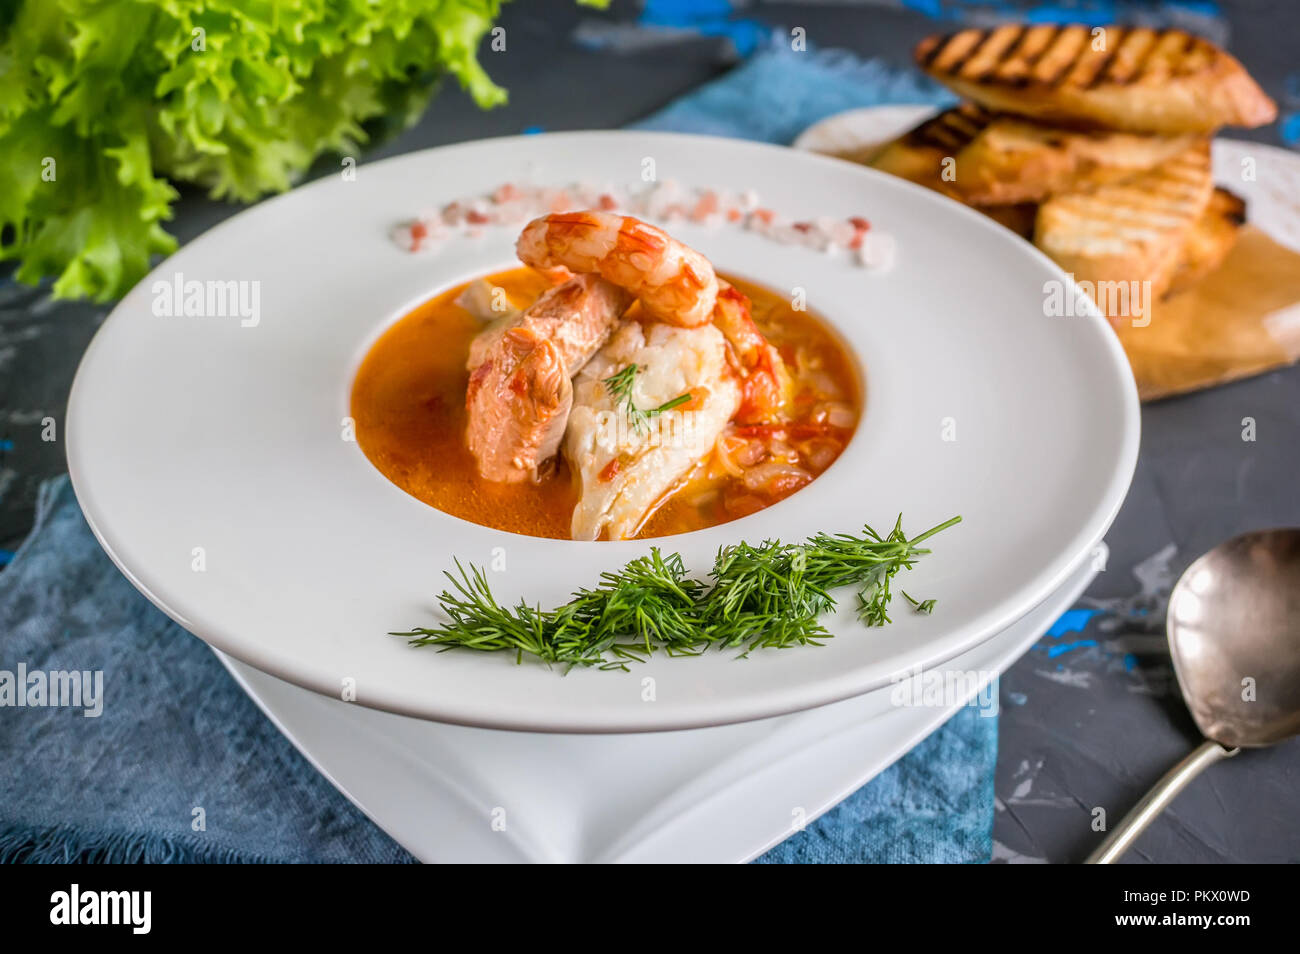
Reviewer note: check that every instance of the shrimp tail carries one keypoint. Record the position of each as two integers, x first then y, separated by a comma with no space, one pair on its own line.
765,384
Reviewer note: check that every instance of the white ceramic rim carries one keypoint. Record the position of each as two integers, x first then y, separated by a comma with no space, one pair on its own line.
1086,531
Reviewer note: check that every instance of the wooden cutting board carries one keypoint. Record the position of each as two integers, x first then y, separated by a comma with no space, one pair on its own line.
1241,320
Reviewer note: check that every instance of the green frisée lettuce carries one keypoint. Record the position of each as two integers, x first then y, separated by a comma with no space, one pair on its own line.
103,101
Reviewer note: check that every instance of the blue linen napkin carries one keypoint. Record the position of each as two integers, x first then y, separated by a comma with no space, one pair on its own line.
178,742
778,93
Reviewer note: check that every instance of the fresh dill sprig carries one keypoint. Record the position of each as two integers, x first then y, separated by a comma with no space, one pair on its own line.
768,596
620,387
921,606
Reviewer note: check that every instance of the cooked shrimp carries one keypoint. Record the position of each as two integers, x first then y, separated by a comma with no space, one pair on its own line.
674,283
519,392
765,384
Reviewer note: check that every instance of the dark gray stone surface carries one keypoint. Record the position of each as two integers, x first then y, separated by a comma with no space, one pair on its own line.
1090,719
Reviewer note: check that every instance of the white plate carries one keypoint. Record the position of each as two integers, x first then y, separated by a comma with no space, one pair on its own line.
188,433
855,130
664,797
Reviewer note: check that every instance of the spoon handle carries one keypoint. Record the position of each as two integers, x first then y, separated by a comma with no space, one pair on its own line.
1156,800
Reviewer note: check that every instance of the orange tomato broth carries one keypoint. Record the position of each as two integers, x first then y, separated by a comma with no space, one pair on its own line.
408,402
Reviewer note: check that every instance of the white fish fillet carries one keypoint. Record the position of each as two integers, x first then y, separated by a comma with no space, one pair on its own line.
487,302
623,473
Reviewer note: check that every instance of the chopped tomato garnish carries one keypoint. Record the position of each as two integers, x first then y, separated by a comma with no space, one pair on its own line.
707,205
610,470
859,223
419,232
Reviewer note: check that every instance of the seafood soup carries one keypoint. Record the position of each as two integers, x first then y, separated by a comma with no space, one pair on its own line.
617,388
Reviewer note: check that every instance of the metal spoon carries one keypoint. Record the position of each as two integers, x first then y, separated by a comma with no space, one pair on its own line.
1234,635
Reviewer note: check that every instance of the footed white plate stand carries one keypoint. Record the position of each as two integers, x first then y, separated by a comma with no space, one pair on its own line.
452,793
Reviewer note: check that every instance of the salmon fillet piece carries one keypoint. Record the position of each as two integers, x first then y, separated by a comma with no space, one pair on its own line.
578,316
518,401
519,393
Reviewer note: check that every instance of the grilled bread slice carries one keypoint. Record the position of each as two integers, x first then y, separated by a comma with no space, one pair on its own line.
1019,217
920,155
1130,231
1128,79
1209,240
1015,160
